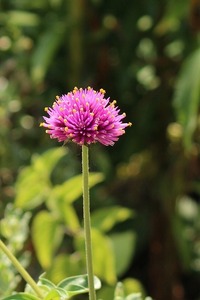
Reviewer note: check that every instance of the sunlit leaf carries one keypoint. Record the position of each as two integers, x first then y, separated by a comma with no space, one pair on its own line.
65,265
64,211
47,235
31,189
33,183
22,18
71,190
187,96
54,295
133,287
104,219
48,160
123,247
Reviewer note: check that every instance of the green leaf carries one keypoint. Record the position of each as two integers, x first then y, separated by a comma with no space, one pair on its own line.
119,291
187,96
64,211
56,294
46,162
46,282
104,219
78,284
33,183
133,287
103,255
48,44
22,18
123,255
45,285
71,190
64,266
21,296
135,296
47,235
31,189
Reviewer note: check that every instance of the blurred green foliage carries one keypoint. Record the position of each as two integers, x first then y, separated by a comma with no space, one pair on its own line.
146,55
60,223
13,228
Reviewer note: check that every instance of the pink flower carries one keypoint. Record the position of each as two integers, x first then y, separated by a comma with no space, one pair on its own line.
85,116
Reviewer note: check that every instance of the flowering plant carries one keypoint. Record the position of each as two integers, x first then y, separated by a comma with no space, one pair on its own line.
83,116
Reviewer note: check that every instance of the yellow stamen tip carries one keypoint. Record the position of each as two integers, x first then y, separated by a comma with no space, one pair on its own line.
130,124
75,89
41,124
57,97
113,103
102,91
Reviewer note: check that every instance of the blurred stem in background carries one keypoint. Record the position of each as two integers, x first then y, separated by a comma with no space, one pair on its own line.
76,51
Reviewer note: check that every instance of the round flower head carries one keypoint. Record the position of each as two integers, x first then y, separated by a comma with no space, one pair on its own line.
85,116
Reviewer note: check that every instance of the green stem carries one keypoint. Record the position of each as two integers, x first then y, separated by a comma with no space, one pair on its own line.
21,270
87,225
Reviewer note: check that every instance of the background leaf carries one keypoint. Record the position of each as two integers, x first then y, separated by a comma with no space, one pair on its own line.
123,247
48,44
65,265
104,219
33,184
47,235
103,255
71,190
187,96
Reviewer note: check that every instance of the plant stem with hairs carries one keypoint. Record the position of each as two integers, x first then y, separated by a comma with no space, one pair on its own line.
87,225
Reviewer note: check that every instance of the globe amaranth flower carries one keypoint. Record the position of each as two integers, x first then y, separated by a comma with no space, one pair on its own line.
85,116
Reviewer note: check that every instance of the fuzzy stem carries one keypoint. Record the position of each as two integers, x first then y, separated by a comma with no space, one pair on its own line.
87,225
21,270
